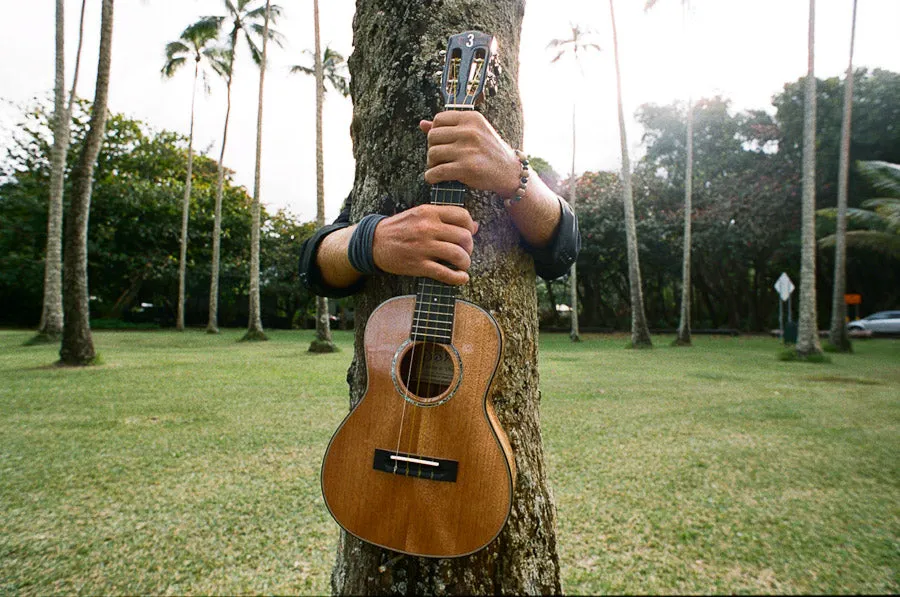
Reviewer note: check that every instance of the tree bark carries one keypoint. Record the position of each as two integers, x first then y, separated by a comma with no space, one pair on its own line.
77,343
808,326
212,326
186,209
392,90
323,341
640,333
838,333
254,328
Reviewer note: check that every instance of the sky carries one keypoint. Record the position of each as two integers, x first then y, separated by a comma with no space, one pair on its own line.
745,50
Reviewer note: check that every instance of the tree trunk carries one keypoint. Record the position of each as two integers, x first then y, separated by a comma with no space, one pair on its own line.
51,326
574,333
323,341
186,209
212,326
77,343
838,333
254,329
808,326
392,90
683,338
640,334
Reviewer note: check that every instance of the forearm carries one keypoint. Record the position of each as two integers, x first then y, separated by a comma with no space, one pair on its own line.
537,215
333,261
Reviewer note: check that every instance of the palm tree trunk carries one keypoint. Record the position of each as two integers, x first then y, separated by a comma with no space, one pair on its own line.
640,334
51,326
807,327
523,559
684,324
186,209
838,332
683,338
574,334
77,343
254,328
212,326
323,341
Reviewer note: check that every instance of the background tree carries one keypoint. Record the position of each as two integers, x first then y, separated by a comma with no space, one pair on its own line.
877,224
329,66
134,240
244,17
393,89
565,46
640,333
51,325
683,336
254,327
837,335
193,44
808,325
77,343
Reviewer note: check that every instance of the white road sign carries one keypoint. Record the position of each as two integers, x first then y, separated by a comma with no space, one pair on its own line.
784,286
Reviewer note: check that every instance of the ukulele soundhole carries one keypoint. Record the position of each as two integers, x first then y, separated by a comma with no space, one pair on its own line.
427,373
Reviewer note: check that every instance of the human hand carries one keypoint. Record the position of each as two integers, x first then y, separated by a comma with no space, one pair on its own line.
463,146
424,240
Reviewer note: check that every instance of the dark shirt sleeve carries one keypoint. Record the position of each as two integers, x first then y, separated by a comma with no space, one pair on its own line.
556,258
310,274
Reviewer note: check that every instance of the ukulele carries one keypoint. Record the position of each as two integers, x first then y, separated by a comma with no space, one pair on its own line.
421,465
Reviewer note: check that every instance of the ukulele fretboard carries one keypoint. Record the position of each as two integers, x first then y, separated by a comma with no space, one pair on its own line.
436,301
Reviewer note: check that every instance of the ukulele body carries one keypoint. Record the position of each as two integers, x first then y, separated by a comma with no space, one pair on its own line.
427,473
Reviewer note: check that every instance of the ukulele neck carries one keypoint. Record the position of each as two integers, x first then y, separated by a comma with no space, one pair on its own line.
436,301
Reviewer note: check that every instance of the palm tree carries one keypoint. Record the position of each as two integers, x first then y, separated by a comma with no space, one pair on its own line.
640,334
837,335
244,18
683,337
565,46
51,325
877,223
193,44
77,343
808,327
330,65
254,328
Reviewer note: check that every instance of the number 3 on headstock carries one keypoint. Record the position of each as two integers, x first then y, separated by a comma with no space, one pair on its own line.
470,68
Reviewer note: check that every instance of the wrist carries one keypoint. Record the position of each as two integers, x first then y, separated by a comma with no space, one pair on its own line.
523,175
360,249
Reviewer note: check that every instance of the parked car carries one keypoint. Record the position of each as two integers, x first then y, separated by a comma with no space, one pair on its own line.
883,322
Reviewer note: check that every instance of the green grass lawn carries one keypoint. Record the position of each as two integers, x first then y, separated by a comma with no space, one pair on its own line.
189,463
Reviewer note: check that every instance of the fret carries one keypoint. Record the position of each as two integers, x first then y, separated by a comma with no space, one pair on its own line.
438,316
438,338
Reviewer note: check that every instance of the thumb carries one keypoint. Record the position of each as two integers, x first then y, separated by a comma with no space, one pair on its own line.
425,125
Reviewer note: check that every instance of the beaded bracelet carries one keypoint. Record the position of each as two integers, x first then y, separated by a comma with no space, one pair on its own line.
523,179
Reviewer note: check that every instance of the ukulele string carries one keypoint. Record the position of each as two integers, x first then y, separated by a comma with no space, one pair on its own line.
406,395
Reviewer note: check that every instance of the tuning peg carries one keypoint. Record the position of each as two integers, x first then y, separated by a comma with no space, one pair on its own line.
437,76
491,90
442,54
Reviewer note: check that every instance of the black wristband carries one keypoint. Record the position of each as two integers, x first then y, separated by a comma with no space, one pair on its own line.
359,250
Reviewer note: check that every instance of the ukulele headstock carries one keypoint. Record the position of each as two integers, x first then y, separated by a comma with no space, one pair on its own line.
471,68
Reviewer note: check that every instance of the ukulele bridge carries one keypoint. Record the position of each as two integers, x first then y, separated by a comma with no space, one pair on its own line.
415,465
